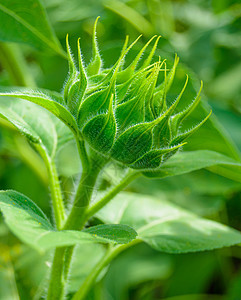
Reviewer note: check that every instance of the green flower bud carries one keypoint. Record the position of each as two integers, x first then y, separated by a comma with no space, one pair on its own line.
122,112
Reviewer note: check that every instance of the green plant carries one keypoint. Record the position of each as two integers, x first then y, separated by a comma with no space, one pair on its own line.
119,116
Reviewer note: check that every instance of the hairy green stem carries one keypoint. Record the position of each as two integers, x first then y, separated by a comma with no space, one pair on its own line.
75,221
112,193
86,215
13,61
109,256
82,153
82,199
57,281
80,214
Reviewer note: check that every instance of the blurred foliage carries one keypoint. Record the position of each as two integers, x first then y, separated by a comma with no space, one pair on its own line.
207,36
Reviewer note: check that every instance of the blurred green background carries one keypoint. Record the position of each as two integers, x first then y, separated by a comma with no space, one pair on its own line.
206,35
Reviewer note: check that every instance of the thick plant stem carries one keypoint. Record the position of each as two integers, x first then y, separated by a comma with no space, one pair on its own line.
69,252
75,221
57,281
90,279
79,215
112,193
82,153
13,61
81,202
76,218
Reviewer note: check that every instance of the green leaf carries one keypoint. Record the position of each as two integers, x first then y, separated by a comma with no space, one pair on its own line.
167,227
118,233
46,101
33,122
80,266
29,224
186,162
26,22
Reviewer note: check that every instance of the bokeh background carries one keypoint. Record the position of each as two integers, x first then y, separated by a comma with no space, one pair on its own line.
206,35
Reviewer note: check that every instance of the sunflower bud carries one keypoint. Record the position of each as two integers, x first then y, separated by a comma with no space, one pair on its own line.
123,113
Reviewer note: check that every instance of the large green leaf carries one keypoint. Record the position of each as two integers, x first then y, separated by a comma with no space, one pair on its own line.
26,22
45,100
185,162
26,220
167,227
33,122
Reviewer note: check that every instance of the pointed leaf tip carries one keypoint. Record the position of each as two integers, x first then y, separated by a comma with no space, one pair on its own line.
150,56
181,116
181,137
96,62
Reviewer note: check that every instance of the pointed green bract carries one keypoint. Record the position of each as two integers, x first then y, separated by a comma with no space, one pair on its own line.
123,74
182,137
99,102
95,104
76,83
177,119
153,158
94,66
132,111
100,131
129,71
151,54
133,143
162,132
159,99
109,75
149,107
